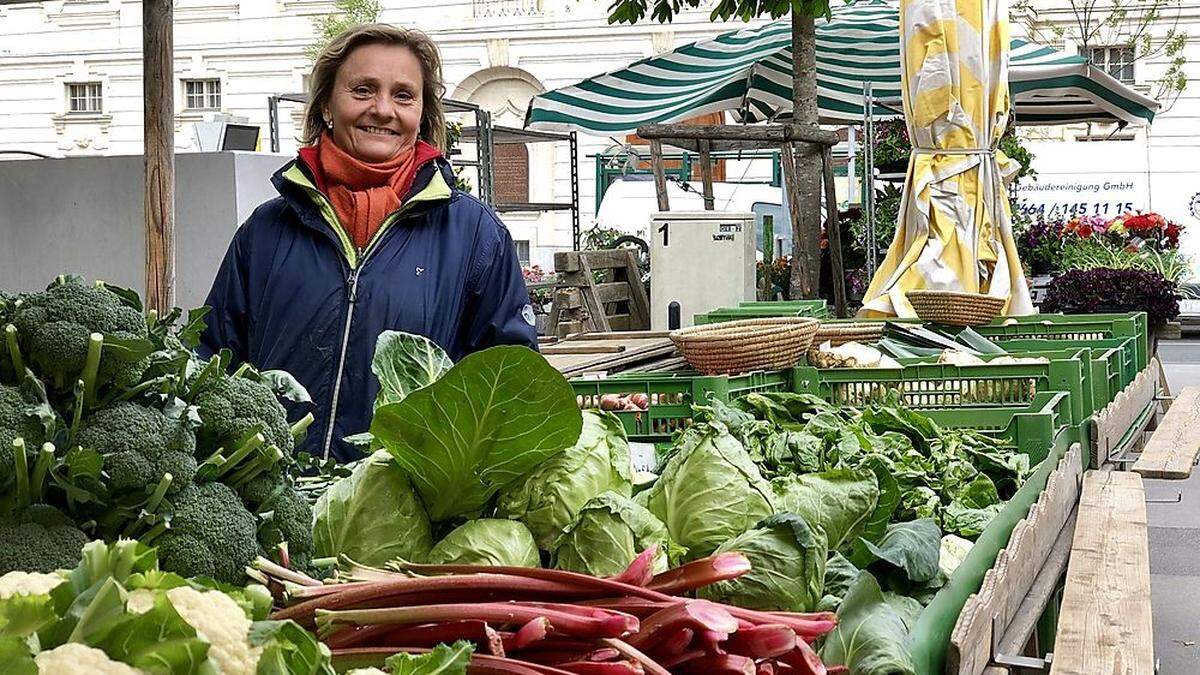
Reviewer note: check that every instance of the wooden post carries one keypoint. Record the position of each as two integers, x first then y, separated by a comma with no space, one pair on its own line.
787,162
158,78
833,228
660,176
706,174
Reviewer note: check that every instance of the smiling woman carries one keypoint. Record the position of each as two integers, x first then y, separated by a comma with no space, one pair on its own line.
368,234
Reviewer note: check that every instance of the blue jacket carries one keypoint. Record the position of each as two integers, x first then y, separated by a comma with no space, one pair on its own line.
294,294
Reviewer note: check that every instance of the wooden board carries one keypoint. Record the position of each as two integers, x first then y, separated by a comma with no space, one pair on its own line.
1001,597
1104,625
1111,425
1172,449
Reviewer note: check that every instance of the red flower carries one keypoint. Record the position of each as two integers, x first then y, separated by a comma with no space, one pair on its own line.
1084,231
1139,223
1172,234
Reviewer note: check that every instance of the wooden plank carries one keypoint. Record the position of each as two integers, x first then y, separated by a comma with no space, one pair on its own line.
1175,444
639,304
660,175
1105,624
582,349
158,81
772,134
613,291
1038,597
619,322
566,262
598,319
1113,423
706,174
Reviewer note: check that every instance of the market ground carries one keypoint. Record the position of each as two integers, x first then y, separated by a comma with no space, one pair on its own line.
1175,540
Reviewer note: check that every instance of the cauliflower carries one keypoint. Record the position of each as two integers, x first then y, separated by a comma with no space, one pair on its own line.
27,583
73,658
217,618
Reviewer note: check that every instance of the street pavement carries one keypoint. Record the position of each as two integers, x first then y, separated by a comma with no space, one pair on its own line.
1174,532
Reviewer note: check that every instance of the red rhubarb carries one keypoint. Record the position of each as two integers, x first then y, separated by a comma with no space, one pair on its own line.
700,573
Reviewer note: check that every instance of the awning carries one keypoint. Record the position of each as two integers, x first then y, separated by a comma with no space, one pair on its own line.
749,72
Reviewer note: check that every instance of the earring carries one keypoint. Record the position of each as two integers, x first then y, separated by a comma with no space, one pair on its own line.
329,123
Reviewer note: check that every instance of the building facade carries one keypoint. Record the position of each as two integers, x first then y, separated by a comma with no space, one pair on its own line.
71,77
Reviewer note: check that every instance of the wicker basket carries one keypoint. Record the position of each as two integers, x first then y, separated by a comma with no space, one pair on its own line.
955,308
733,347
838,334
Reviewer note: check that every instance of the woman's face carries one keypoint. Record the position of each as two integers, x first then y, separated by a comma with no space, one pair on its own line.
376,102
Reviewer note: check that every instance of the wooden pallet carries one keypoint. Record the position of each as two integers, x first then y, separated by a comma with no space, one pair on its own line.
1173,447
581,305
1105,624
1000,617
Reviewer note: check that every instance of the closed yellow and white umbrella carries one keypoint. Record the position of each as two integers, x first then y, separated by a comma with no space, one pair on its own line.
955,228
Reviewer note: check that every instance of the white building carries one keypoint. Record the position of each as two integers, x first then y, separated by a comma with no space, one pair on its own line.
71,75
1151,168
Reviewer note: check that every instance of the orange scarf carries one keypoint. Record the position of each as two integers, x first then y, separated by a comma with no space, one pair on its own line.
364,194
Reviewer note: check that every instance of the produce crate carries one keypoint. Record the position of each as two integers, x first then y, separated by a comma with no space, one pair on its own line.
1121,353
672,395
759,310
1073,327
1041,431
966,388
1103,376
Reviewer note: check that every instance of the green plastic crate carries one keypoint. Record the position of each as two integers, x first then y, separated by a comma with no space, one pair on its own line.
1074,327
1102,376
1125,358
760,310
1039,430
925,386
672,395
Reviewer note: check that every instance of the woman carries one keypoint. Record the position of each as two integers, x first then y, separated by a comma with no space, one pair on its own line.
367,234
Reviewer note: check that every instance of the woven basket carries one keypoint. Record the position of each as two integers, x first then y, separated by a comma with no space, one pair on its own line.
838,334
955,308
733,347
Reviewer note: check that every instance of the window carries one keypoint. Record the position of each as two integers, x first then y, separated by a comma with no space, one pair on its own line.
84,97
1116,61
202,94
522,250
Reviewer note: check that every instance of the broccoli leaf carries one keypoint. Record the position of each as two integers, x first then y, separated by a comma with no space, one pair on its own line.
24,615
442,660
288,649
190,333
404,363
488,421
283,384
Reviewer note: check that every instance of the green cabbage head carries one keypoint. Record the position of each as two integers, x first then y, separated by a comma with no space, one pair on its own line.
487,541
787,567
710,490
609,532
373,515
548,498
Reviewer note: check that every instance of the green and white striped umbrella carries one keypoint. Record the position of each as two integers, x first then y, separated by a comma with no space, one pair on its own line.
749,72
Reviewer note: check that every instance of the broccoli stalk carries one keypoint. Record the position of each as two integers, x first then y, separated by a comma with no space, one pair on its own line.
21,469
239,455
149,512
91,367
37,483
263,461
14,351
301,426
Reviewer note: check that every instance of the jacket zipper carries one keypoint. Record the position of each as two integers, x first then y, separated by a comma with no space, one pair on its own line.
337,384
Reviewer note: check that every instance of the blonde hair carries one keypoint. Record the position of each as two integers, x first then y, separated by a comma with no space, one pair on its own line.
324,72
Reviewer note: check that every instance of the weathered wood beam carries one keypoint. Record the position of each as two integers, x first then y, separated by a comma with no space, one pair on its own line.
833,229
660,175
766,133
158,79
706,174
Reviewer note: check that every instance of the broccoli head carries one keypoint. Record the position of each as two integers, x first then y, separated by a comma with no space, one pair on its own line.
210,534
40,538
140,445
15,422
291,518
234,408
54,327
